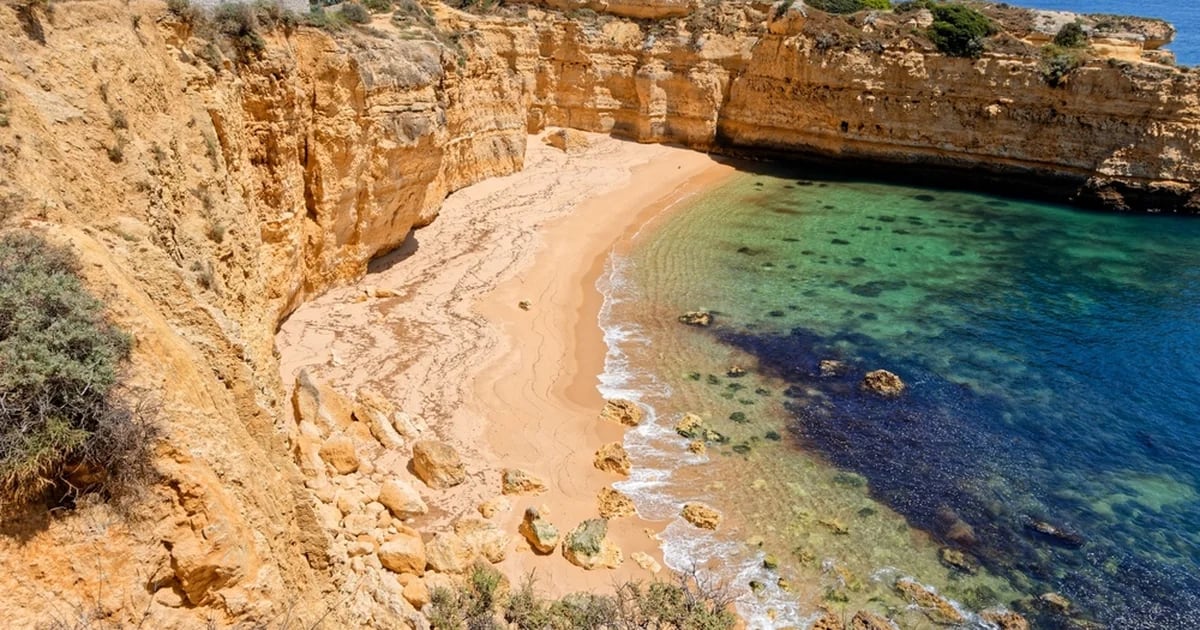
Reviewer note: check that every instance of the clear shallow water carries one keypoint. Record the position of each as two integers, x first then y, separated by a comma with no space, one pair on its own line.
1050,355
1184,15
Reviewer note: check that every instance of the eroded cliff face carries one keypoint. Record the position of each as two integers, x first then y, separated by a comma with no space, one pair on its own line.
209,196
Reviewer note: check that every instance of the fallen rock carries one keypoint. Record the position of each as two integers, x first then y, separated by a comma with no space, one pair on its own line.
829,368
338,451
587,546
625,412
516,481
957,560
403,553
378,413
697,318
613,504
484,538
883,383
937,608
449,553
698,447
494,506
569,140
828,620
866,620
1005,619
437,464
415,591
542,536
316,402
401,499
690,426
613,458
1054,534
645,561
701,515
1056,602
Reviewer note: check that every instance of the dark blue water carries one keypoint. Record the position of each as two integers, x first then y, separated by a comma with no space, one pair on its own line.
1184,15
1052,361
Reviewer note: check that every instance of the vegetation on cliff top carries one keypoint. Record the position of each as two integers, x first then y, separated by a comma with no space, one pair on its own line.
848,6
61,423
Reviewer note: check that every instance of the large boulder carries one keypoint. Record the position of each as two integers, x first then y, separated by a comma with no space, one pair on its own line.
701,516
403,553
339,452
378,413
937,608
437,464
401,499
541,534
569,140
883,383
449,553
588,546
315,401
484,538
516,481
613,504
612,458
622,411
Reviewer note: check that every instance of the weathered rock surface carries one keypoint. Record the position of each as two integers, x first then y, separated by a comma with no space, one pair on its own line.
701,515
697,318
401,499
541,534
447,552
645,561
403,553
936,607
612,458
484,538
568,140
1005,619
612,504
690,426
883,383
867,620
380,416
516,481
588,546
339,452
621,411
437,464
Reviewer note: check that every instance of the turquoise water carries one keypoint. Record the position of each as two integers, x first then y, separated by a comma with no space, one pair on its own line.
1184,15
1050,358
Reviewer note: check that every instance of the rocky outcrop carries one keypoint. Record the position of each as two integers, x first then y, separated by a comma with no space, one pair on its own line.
937,608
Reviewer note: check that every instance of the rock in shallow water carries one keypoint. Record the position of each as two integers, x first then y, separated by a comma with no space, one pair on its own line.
622,411
884,383
701,516
612,458
697,318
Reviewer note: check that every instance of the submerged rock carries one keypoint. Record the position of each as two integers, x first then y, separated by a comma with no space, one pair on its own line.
866,620
735,371
957,560
937,608
437,464
697,318
612,458
701,515
542,536
1054,533
622,411
587,546
1005,619
829,368
1055,602
884,383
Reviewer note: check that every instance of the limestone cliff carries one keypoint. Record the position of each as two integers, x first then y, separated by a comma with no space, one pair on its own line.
211,191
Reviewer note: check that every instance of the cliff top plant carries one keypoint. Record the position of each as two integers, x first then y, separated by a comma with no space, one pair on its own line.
60,359
848,6
957,30
1071,35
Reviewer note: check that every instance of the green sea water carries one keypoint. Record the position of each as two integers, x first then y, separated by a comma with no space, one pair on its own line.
1048,357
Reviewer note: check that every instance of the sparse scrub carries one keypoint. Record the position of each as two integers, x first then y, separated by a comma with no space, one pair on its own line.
355,13
848,6
1059,63
61,422
1071,35
239,24
378,6
116,153
119,121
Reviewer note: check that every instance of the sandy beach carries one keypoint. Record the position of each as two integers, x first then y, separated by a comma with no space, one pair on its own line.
437,326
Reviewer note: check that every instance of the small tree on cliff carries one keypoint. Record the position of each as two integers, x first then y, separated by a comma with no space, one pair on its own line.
959,30
61,424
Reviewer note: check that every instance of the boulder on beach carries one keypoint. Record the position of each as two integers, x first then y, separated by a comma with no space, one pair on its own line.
697,318
517,481
883,383
612,458
622,411
613,504
701,515
568,140
690,426
542,536
437,464
588,546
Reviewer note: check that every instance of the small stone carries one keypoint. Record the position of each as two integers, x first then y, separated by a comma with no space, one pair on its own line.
698,447
401,499
622,411
437,464
494,506
701,515
757,587
645,561
541,534
883,383
735,371
524,305
783,584
697,318
770,562
415,591
516,481
957,560
612,458
338,451
829,368
403,553
613,504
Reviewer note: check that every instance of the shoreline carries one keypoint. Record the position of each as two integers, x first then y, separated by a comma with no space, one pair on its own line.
436,326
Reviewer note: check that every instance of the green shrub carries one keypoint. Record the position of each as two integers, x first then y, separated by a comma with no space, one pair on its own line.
848,6
1058,63
378,6
60,362
1071,36
239,23
355,13
959,30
